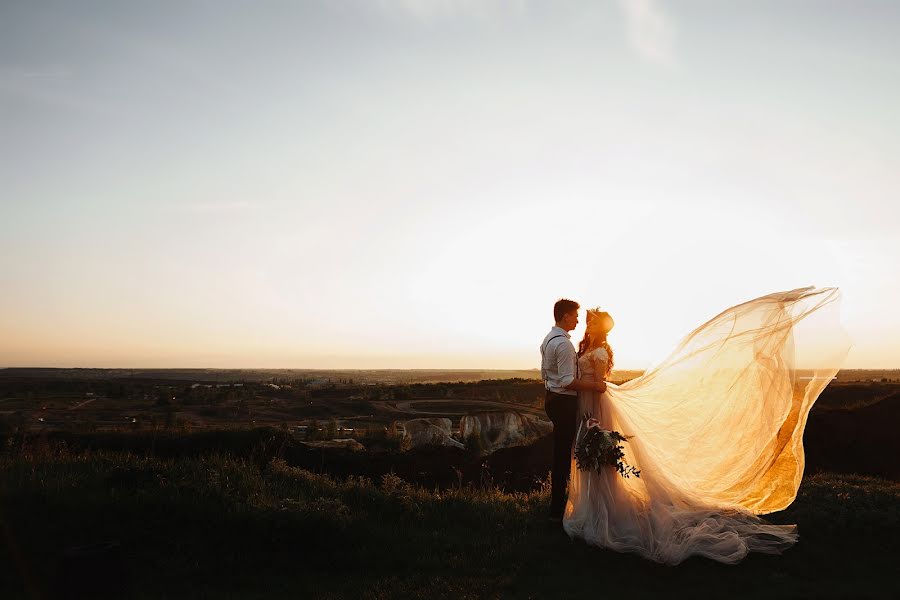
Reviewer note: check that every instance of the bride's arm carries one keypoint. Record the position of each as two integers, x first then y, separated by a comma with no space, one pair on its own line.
599,365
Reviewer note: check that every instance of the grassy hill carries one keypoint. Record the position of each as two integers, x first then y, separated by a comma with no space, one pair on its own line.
223,526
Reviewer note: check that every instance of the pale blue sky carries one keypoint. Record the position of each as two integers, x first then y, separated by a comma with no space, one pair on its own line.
382,183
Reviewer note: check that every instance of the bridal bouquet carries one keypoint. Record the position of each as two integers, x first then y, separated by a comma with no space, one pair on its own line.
599,447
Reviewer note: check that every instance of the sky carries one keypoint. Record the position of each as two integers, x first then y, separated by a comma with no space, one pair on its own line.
414,183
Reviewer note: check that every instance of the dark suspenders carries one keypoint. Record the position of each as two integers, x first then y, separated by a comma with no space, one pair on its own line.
544,350
544,347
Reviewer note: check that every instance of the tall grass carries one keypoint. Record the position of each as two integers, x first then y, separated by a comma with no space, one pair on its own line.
220,526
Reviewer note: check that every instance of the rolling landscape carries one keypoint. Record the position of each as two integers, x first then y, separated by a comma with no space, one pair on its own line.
171,483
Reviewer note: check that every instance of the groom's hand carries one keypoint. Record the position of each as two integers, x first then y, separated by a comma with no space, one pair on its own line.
585,385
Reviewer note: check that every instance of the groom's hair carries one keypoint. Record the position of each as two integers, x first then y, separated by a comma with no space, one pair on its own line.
564,307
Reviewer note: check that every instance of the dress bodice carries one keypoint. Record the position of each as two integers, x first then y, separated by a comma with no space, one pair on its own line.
592,365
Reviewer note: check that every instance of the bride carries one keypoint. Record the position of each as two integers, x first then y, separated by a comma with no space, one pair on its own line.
716,431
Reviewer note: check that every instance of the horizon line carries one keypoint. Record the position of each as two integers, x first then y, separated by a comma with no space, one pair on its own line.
352,369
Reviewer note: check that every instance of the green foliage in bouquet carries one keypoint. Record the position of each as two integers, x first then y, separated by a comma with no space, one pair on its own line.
598,448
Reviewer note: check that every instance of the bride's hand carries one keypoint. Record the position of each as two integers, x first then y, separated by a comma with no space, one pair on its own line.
600,386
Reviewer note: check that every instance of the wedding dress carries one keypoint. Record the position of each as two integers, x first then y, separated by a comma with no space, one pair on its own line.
716,432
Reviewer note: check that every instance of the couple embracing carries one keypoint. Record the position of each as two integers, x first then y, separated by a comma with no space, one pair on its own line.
560,372
715,429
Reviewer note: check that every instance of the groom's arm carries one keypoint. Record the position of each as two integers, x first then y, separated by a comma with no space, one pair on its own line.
585,385
565,366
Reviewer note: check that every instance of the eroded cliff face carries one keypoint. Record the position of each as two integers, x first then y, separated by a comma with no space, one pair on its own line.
490,431
427,432
484,432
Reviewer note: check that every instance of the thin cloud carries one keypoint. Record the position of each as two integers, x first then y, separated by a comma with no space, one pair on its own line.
11,76
650,31
217,207
432,10
46,74
51,88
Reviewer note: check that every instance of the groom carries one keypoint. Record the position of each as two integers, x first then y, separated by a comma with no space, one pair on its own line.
559,370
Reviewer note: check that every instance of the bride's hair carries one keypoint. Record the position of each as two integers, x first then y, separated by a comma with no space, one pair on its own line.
597,340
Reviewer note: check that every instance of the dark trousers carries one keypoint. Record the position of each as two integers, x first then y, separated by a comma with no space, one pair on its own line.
563,412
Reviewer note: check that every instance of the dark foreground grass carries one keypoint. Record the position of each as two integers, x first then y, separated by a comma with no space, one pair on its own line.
221,527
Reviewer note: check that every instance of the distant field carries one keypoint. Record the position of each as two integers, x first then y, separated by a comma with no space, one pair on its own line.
869,375
375,376
346,401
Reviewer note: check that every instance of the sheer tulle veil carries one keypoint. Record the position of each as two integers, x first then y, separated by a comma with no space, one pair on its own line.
718,433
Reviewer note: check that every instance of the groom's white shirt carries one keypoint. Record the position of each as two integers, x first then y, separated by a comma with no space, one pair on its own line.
558,367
